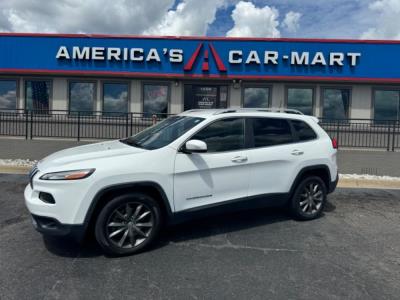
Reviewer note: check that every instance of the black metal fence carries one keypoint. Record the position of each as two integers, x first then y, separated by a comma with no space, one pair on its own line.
364,133
350,133
76,125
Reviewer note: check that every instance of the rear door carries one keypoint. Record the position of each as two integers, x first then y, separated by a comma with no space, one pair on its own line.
273,155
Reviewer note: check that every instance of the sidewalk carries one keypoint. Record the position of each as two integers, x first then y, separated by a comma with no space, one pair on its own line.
381,163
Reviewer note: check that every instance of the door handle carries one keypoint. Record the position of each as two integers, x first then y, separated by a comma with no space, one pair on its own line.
297,152
239,159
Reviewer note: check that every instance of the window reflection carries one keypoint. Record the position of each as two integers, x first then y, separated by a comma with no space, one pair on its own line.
271,132
386,105
37,95
115,99
8,94
256,97
81,97
301,99
336,103
223,135
155,99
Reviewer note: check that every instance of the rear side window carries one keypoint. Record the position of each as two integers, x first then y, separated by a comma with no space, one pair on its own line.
223,135
271,132
303,130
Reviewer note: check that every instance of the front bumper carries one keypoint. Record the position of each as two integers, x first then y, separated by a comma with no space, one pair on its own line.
55,219
52,227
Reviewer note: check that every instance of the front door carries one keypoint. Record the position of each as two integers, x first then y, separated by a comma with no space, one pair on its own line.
221,174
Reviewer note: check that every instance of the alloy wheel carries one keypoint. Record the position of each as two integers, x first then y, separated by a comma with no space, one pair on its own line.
130,225
311,198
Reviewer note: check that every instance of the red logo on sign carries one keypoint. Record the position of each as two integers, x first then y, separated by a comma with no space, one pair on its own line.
205,66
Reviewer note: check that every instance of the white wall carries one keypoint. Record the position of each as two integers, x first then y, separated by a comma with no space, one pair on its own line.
235,96
361,102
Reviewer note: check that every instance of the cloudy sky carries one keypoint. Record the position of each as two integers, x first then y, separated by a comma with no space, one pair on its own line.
370,19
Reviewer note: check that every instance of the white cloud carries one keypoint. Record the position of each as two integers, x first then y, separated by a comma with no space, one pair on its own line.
191,17
386,13
251,21
292,21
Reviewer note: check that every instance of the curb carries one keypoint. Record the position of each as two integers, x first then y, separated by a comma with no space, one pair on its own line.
343,182
368,183
14,169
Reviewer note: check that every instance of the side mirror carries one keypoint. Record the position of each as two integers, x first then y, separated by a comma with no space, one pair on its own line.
195,146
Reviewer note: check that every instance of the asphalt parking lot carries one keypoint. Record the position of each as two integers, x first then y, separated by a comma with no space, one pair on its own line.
352,252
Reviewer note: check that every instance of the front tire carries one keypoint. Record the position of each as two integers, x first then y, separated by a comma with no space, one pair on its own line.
128,224
309,199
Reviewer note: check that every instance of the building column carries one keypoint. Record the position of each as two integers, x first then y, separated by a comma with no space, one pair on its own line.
361,102
135,100
235,95
176,97
60,94
278,95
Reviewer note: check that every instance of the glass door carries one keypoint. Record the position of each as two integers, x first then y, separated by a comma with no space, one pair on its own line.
205,96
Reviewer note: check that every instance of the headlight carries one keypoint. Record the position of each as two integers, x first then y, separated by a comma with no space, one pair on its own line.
68,175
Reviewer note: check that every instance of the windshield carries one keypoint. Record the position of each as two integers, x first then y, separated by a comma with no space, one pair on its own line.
162,133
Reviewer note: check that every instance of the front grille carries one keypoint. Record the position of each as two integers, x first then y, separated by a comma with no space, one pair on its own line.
32,174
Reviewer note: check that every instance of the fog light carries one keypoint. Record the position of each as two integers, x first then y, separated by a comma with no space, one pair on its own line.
47,198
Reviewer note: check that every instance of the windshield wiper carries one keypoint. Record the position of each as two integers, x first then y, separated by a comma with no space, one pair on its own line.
130,143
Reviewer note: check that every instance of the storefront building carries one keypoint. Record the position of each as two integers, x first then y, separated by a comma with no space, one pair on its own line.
98,74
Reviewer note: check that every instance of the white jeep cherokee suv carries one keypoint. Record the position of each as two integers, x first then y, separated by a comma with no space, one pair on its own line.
197,161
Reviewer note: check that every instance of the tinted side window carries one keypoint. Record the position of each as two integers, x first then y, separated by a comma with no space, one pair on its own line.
304,131
223,135
270,132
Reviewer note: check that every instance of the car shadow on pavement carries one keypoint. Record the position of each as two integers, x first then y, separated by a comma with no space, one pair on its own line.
195,229
66,247
221,224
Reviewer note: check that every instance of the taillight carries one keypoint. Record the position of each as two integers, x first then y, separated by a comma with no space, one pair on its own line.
334,143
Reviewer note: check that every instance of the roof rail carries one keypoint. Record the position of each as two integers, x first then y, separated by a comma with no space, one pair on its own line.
226,111
274,110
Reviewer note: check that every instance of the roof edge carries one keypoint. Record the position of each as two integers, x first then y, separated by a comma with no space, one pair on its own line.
210,38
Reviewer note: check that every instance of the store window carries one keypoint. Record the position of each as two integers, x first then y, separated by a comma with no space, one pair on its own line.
205,96
155,99
115,99
82,97
386,105
8,94
336,103
256,97
37,95
301,99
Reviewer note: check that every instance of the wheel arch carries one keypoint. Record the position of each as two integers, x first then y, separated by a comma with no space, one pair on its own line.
103,196
321,171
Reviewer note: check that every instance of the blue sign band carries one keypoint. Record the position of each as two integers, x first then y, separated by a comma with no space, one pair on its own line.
201,57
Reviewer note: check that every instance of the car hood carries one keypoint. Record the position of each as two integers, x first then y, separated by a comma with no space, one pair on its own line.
87,152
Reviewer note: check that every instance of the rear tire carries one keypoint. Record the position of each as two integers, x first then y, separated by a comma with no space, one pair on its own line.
309,199
128,224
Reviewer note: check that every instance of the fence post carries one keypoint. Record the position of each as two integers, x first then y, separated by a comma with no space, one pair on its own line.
26,124
394,135
388,137
127,125
31,112
79,126
337,133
